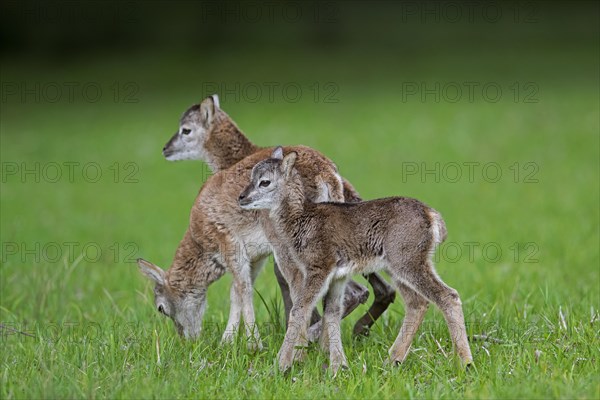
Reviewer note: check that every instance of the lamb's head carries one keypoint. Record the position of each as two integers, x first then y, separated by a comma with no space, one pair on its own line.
194,127
184,307
267,180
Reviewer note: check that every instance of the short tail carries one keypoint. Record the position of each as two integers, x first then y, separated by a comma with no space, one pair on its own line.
438,228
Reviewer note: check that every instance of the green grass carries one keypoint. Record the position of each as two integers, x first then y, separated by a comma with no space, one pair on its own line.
95,331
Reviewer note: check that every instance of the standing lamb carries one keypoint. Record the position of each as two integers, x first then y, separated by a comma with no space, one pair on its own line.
328,242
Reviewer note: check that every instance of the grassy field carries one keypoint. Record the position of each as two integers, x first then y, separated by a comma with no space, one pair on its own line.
85,191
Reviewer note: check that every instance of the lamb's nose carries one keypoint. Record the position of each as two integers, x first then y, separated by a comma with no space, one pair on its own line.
242,196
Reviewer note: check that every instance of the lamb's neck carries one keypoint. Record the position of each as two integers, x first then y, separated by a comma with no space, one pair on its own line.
289,213
193,267
226,144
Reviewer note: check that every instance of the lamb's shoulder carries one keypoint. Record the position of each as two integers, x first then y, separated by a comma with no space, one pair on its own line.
216,209
320,176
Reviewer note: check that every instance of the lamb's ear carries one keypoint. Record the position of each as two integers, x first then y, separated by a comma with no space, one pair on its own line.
154,272
287,165
215,98
277,153
207,110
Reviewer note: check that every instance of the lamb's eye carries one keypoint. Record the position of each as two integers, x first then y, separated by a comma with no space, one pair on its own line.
186,131
264,183
161,309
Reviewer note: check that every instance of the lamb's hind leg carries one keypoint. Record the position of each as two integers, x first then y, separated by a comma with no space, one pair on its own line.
415,307
425,280
384,296
354,295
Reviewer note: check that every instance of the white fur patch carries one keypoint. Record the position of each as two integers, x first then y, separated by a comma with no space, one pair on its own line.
342,272
436,228
188,154
324,194
341,182
254,244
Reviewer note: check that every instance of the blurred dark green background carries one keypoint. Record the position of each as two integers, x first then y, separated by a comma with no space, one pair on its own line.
381,87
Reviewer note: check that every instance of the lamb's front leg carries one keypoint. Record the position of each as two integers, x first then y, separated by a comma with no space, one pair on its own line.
294,276
296,337
331,336
235,313
243,281
290,271
295,340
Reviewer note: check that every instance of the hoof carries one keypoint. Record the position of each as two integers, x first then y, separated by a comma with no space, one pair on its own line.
389,362
285,363
254,345
287,358
335,369
338,363
227,339
361,330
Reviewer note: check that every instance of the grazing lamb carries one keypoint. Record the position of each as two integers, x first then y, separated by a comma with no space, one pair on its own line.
222,237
